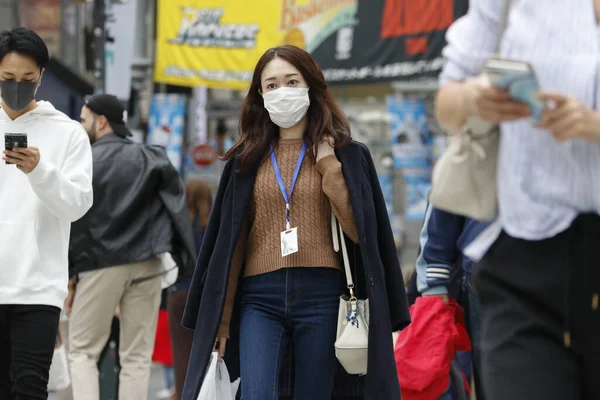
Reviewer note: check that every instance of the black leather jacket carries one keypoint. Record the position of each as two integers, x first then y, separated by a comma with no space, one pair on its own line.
139,210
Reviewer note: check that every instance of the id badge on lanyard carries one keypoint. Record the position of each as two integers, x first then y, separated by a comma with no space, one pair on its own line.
289,242
289,237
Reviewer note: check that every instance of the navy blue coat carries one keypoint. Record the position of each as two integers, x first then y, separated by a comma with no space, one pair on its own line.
375,262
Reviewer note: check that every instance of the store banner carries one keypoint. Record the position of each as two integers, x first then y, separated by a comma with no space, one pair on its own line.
120,36
412,151
167,123
217,44
213,43
390,40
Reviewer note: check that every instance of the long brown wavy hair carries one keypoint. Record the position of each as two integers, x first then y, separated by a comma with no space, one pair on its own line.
257,131
199,200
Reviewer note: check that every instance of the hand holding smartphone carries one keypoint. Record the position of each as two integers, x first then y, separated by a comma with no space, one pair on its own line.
12,140
519,79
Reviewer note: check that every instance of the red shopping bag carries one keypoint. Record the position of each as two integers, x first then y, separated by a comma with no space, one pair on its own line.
163,352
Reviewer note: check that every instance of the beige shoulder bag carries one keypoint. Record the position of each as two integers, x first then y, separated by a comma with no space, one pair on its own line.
352,344
464,178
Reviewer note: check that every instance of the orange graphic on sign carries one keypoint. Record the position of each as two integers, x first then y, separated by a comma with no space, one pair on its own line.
418,45
294,12
413,17
295,37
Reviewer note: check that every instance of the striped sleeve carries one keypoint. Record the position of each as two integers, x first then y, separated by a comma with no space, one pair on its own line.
439,250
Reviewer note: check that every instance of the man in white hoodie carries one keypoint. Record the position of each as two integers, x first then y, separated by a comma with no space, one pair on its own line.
47,186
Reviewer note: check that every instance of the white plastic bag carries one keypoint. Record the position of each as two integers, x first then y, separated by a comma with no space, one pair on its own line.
217,385
59,371
170,270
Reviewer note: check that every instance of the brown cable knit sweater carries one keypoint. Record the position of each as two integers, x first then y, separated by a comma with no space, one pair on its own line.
319,188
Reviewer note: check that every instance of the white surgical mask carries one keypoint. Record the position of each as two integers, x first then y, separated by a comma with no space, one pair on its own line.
287,105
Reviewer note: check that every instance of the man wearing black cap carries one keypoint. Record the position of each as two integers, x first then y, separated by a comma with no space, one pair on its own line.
118,251
103,115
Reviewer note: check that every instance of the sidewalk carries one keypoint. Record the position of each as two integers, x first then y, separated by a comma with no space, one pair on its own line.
157,378
156,384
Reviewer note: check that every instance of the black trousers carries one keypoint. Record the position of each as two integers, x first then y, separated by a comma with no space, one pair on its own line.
27,340
540,316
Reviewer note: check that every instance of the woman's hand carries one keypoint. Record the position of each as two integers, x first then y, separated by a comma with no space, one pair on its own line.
569,119
220,346
325,148
491,103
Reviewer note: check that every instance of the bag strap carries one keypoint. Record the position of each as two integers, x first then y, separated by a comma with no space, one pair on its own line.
337,239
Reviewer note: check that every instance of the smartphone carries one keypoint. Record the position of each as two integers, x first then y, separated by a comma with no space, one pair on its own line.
519,79
12,140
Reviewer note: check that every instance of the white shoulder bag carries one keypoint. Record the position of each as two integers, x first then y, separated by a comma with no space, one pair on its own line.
352,344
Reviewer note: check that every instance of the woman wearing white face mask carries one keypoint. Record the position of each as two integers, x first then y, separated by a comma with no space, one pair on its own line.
268,275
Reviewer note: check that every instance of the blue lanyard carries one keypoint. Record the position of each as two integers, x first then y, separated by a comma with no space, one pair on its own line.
287,197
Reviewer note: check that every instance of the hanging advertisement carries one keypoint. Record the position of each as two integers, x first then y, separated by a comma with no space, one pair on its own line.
213,43
412,151
386,181
166,125
417,183
411,139
120,36
217,44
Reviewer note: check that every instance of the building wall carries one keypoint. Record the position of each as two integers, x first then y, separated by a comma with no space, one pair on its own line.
8,14
63,97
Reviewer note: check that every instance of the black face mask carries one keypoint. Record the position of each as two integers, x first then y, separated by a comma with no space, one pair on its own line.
18,95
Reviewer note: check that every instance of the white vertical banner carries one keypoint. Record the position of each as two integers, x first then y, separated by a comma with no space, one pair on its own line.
119,47
200,95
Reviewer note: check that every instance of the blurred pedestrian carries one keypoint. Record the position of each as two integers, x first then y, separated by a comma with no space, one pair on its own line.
539,281
443,238
295,145
199,201
47,186
118,248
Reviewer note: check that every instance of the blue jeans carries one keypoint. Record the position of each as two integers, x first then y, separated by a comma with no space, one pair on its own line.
169,377
292,304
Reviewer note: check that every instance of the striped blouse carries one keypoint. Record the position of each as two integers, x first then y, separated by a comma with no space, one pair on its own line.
542,184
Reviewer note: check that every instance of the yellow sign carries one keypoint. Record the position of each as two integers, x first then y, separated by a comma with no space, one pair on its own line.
217,43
